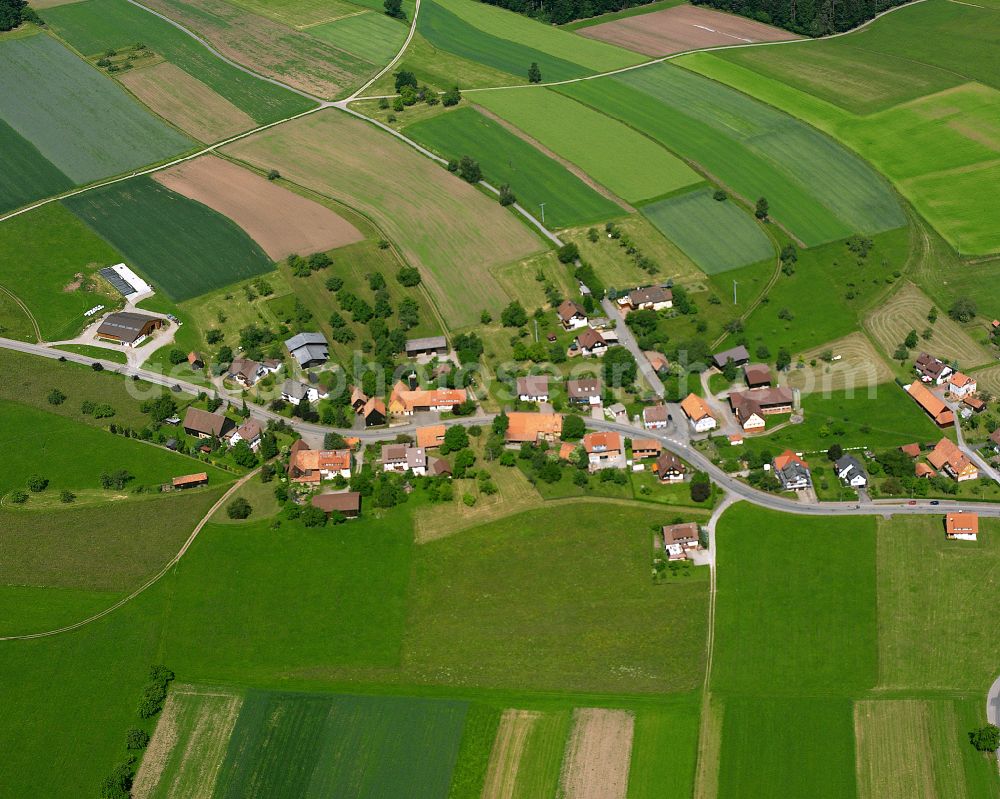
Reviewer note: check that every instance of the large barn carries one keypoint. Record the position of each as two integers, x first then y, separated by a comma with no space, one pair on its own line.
126,327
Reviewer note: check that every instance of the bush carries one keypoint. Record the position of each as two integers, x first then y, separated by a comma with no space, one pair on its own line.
239,508
507,196
408,276
36,483
66,497
986,739
273,174
154,694
469,170
451,97
136,738
18,497
118,784
56,397
312,516
568,253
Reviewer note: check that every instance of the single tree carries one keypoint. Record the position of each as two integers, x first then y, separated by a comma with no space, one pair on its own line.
573,428
469,170
534,73
762,208
239,508
986,739
451,97
835,452
507,196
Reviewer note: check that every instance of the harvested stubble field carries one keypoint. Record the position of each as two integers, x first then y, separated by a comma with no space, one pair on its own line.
908,748
94,26
444,226
817,188
187,750
62,105
279,220
907,310
860,366
291,56
717,236
187,102
598,754
683,27
640,169
183,247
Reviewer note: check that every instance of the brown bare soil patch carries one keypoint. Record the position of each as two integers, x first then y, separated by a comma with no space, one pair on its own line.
442,225
279,220
598,754
505,758
187,102
74,284
859,366
682,28
294,57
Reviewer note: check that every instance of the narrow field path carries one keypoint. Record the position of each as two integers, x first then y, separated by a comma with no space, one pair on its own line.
27,311
151,581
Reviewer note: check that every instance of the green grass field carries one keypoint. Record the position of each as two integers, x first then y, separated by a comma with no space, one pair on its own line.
828,294
640,169
446,30
28,609
510,42
809,749
449,230
103,353
816,188
185,248
948,166
72,455
41,252
374,37
796,604
717,236
30,175
65,108
664,750
93,26
505,158
926,615
891,61
317,746
300,13
108,547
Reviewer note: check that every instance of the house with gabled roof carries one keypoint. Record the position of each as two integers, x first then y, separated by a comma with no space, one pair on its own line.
605,450
643,448
431,436
792,472
309,349
698,414
669,468
680,539
244,371
591,343
585,390
655,417
961,385
310,466
205,424
851,472
526,427
346,503
533,388
654,298
961,526
571,315
933,406
404,458
250,431
931,369
948,458
738,355
373,412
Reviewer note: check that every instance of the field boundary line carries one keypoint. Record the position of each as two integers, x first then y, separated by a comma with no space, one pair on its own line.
151,581
309,25
391,64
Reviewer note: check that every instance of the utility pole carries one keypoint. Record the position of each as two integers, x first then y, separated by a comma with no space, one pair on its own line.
542,206
734,291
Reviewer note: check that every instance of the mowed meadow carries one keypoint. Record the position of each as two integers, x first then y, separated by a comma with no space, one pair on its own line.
816,620
450,230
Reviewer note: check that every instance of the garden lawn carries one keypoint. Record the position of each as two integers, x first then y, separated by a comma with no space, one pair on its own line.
718,236
448,229
949,166
816,188
80,121
640,170
796,605
787,747
72,455
374,37
93,26
507,159
28,174
41,252
182,246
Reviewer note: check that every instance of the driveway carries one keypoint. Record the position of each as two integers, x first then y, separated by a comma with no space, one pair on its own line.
627,340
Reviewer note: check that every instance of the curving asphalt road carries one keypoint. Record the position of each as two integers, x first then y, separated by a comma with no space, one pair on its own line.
675,438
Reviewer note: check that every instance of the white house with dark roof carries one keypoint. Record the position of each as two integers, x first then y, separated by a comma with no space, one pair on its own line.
571,315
